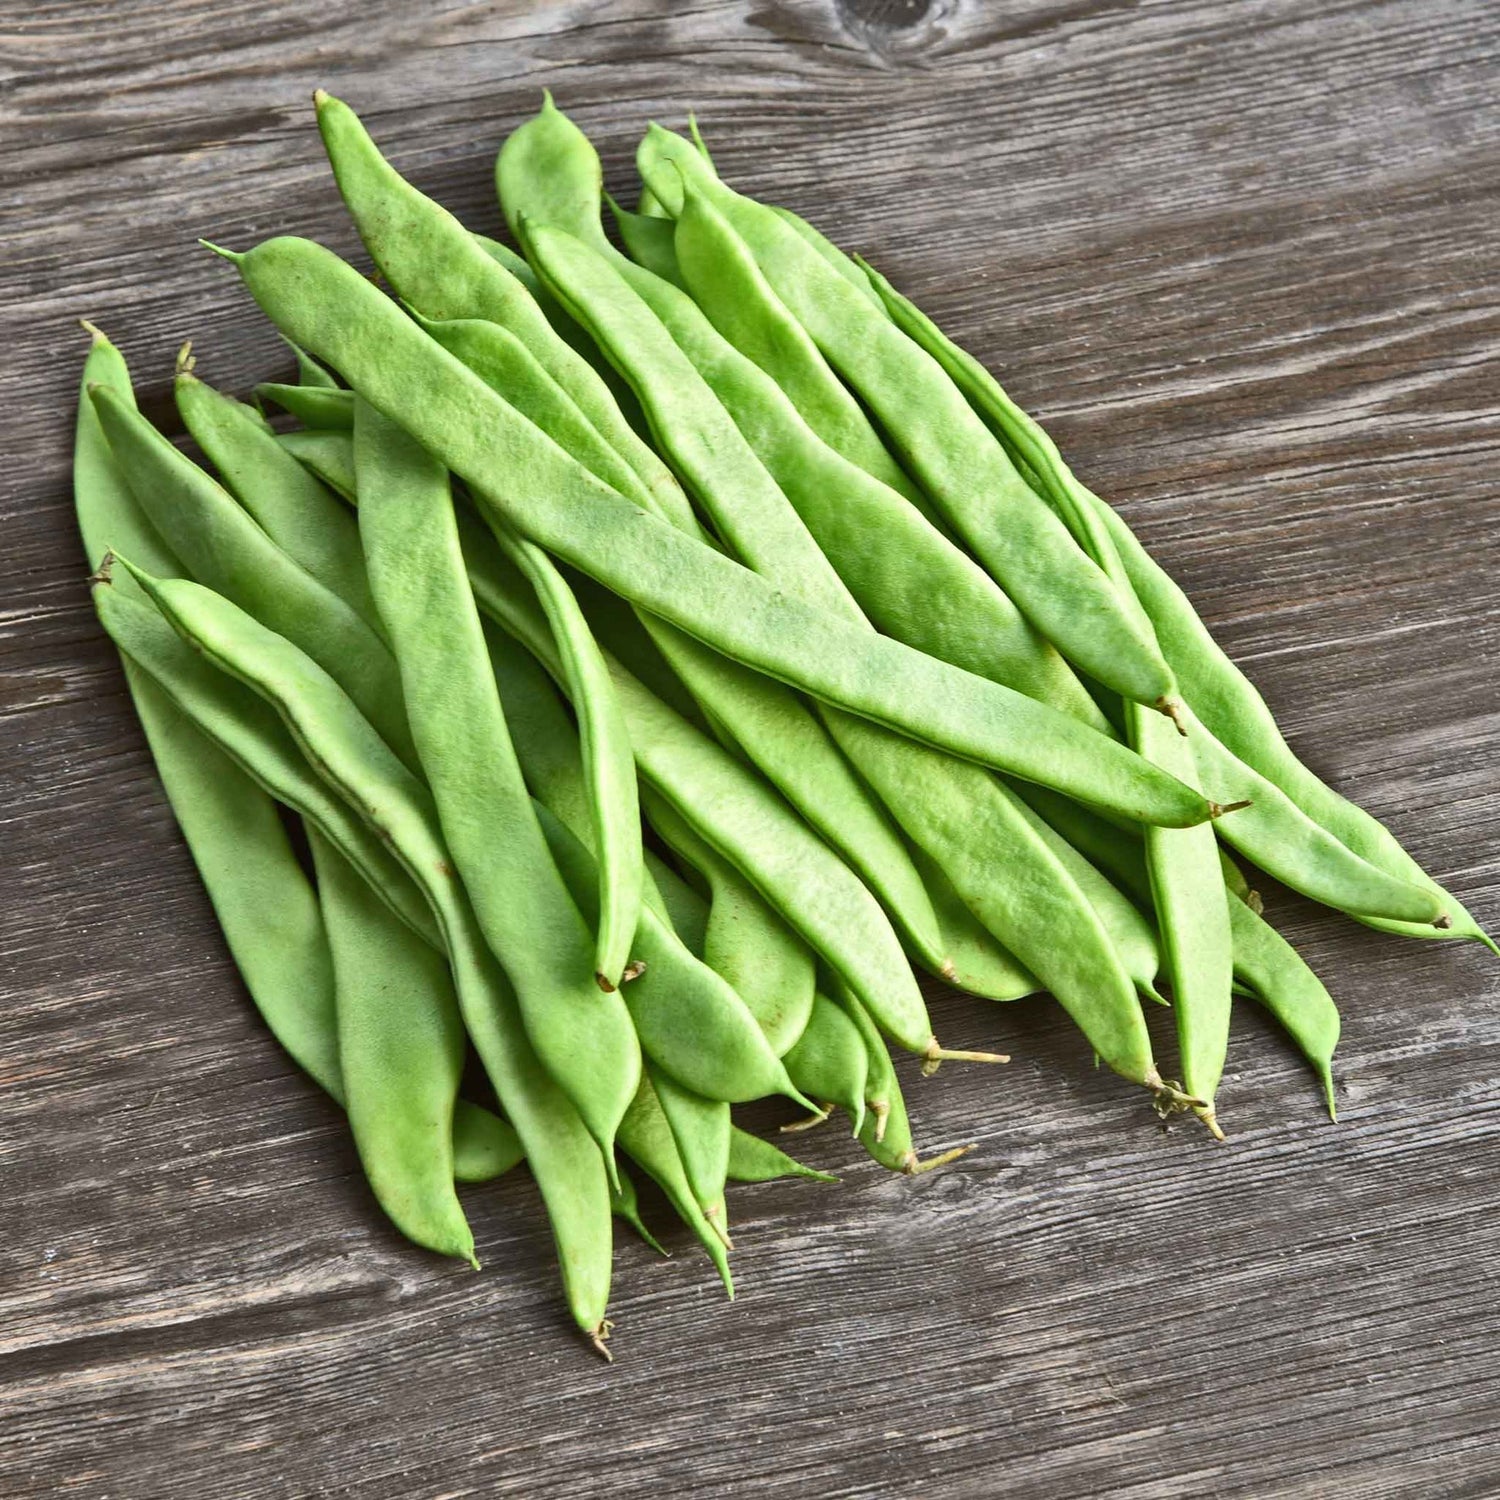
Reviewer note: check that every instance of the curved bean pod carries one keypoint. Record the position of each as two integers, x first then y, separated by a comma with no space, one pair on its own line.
770,967
401,1051
223,547
690,1022
829,1061
980,965
335,312
700,1127
647,1136
582,1034
296,511
251,734
436,265
315,406
351,757
947,449
752,1159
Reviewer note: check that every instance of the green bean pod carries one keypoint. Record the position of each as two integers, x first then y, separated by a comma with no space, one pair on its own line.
250,733
772,969
293,507
829,1062
700,1128
315,406
942,443
1373,880
979,963
752,1159
401,1051
336,313
972,825
223,547
328,456
436,265
607,759
646,1136
350,756
690,1022
582,1033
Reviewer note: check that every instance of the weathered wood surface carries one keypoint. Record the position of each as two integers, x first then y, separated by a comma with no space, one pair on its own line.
1245,259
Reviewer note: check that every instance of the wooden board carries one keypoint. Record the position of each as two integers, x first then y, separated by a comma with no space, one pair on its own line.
1244,259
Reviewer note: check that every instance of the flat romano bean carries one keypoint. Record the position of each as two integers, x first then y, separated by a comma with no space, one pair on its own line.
737,814
295,509
980,964
945,447
1038,911
436,265
893,560
752,1159
327,306
626,1207
829,1062
744,939
1265,964
249,732
700,1127
604,748
717,269
582,1034
509,368
799,753
401,1051
692,429
646,1136
327,455
569,331
513,468
886,1132
689,1020
770,723
315,406
309,371
351,757
1374,880
223,547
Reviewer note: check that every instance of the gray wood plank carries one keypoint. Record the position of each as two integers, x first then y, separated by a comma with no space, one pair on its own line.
1244,260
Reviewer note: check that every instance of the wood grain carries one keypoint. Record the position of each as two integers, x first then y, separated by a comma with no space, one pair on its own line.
1244,260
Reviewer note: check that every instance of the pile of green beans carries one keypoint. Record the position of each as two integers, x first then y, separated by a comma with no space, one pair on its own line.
636,663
